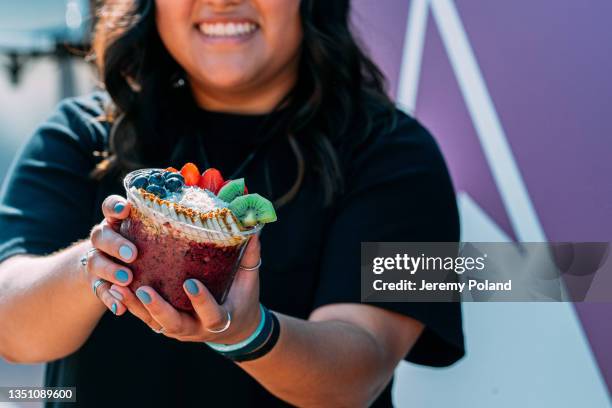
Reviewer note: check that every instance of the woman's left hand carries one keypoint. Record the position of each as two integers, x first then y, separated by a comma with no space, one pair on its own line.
242,303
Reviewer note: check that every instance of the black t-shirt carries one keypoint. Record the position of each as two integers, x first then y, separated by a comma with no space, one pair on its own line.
397,189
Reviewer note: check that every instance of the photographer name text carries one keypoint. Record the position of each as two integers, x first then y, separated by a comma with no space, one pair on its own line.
423,285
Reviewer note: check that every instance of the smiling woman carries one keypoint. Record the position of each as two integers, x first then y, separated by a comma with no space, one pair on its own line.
274,91
301,57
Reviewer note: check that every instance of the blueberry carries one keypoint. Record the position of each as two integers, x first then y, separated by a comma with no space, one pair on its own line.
173,184
157,190
157,179
169,175
140,182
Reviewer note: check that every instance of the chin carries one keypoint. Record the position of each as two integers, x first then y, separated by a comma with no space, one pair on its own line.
226,79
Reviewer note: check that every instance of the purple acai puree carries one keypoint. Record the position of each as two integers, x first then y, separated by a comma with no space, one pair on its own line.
166,259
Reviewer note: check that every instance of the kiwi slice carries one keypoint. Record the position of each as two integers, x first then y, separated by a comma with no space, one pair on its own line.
231,190
252,209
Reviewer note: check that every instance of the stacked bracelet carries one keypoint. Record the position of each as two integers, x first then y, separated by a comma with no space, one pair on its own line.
259,343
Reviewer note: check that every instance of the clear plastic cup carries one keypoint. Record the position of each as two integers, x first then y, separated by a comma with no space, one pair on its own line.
172,249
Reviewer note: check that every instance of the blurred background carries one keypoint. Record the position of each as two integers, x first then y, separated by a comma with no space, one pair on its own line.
517,93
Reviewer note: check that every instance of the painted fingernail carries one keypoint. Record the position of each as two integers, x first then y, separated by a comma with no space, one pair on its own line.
125,252
119,207
115,294
192,287
143,296
114,308
122,276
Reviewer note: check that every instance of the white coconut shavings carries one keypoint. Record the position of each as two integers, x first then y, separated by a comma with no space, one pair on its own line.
198,199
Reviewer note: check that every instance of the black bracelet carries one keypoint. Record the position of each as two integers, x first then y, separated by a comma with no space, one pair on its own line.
257,347
267,346
258,342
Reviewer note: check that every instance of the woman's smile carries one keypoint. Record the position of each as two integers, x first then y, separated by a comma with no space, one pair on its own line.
227,31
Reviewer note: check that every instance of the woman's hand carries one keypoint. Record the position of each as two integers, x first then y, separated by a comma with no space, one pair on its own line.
107,245
242,304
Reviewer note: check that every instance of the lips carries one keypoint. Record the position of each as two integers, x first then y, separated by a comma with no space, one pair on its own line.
227,29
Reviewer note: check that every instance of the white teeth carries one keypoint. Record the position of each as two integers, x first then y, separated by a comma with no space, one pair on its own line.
219,29
227,30
230,29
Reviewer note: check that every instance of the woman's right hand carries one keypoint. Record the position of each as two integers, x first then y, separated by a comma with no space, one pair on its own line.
109,246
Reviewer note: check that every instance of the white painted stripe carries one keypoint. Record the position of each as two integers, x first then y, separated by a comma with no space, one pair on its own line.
410,69
486,121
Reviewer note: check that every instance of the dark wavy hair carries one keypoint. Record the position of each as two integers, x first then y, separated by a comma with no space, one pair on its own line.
325,116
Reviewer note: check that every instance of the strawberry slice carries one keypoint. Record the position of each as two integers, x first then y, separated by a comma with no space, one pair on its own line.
191,174
211,180
246,190
172,170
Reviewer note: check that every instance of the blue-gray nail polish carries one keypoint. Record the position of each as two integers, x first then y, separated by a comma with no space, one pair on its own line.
192,287
143,296
122,276
125,252
119,207
114,308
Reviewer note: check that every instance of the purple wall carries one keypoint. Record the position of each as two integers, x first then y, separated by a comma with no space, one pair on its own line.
548,68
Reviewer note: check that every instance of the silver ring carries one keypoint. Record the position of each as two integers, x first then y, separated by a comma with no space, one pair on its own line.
252,268
85,258
158,331
96,285
227,324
